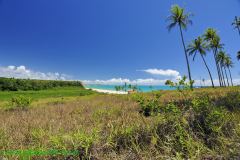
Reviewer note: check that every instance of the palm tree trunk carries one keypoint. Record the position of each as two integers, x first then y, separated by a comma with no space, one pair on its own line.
219,74
208,70
226,76
223,77
186,56
230,75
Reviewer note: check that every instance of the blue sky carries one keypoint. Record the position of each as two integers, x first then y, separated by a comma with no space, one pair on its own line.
105,39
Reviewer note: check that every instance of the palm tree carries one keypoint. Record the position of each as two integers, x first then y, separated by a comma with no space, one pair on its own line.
213,40
181,19
236,24
221,56
229,64
238,55
199,46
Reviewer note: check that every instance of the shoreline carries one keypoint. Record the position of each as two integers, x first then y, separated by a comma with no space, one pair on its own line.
107,91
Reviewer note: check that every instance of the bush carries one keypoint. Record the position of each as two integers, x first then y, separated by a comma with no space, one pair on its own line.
172,134
149,106
130,138
209,122
182,86
231,101
201,121
20,102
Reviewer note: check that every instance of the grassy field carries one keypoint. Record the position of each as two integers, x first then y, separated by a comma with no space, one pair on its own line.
199,124
49,93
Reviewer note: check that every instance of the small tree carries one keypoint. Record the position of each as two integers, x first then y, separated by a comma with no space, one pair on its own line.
182,85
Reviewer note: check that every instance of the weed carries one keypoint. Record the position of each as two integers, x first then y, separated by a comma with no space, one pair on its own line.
20,102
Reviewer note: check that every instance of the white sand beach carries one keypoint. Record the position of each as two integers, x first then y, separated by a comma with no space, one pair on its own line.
108,91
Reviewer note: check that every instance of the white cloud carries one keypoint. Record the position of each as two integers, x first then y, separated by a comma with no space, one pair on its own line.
120,81
23,72
160,72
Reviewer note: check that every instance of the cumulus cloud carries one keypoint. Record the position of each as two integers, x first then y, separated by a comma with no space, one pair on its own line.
23,72
160,72
120,81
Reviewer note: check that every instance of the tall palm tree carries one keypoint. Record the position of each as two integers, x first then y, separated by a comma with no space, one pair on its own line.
238,55
213,40
229,64
199,46
221,56
236,24
181,19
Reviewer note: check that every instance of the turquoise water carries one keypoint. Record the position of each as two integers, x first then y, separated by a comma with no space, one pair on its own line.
142,88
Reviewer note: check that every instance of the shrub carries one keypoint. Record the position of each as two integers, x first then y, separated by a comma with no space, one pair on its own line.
231,100
200,122
149,106
172,108
130,138
182,86
81,141
20,102
174,137
209,122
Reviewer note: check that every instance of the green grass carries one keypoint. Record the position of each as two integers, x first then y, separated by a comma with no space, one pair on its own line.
43,94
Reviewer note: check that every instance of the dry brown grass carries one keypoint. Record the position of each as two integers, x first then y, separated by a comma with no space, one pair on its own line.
106,126
38,126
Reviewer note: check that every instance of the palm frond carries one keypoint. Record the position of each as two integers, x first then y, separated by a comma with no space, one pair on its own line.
178,16
197,46
171,26
238,55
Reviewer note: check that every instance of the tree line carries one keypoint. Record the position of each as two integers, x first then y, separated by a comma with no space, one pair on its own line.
12,84
208,42
127,87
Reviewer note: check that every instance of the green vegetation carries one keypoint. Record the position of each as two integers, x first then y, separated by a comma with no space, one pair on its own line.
183,124
12,84
127,87
44,94
195,124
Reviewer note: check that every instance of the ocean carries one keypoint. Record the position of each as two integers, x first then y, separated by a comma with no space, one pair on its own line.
141,88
